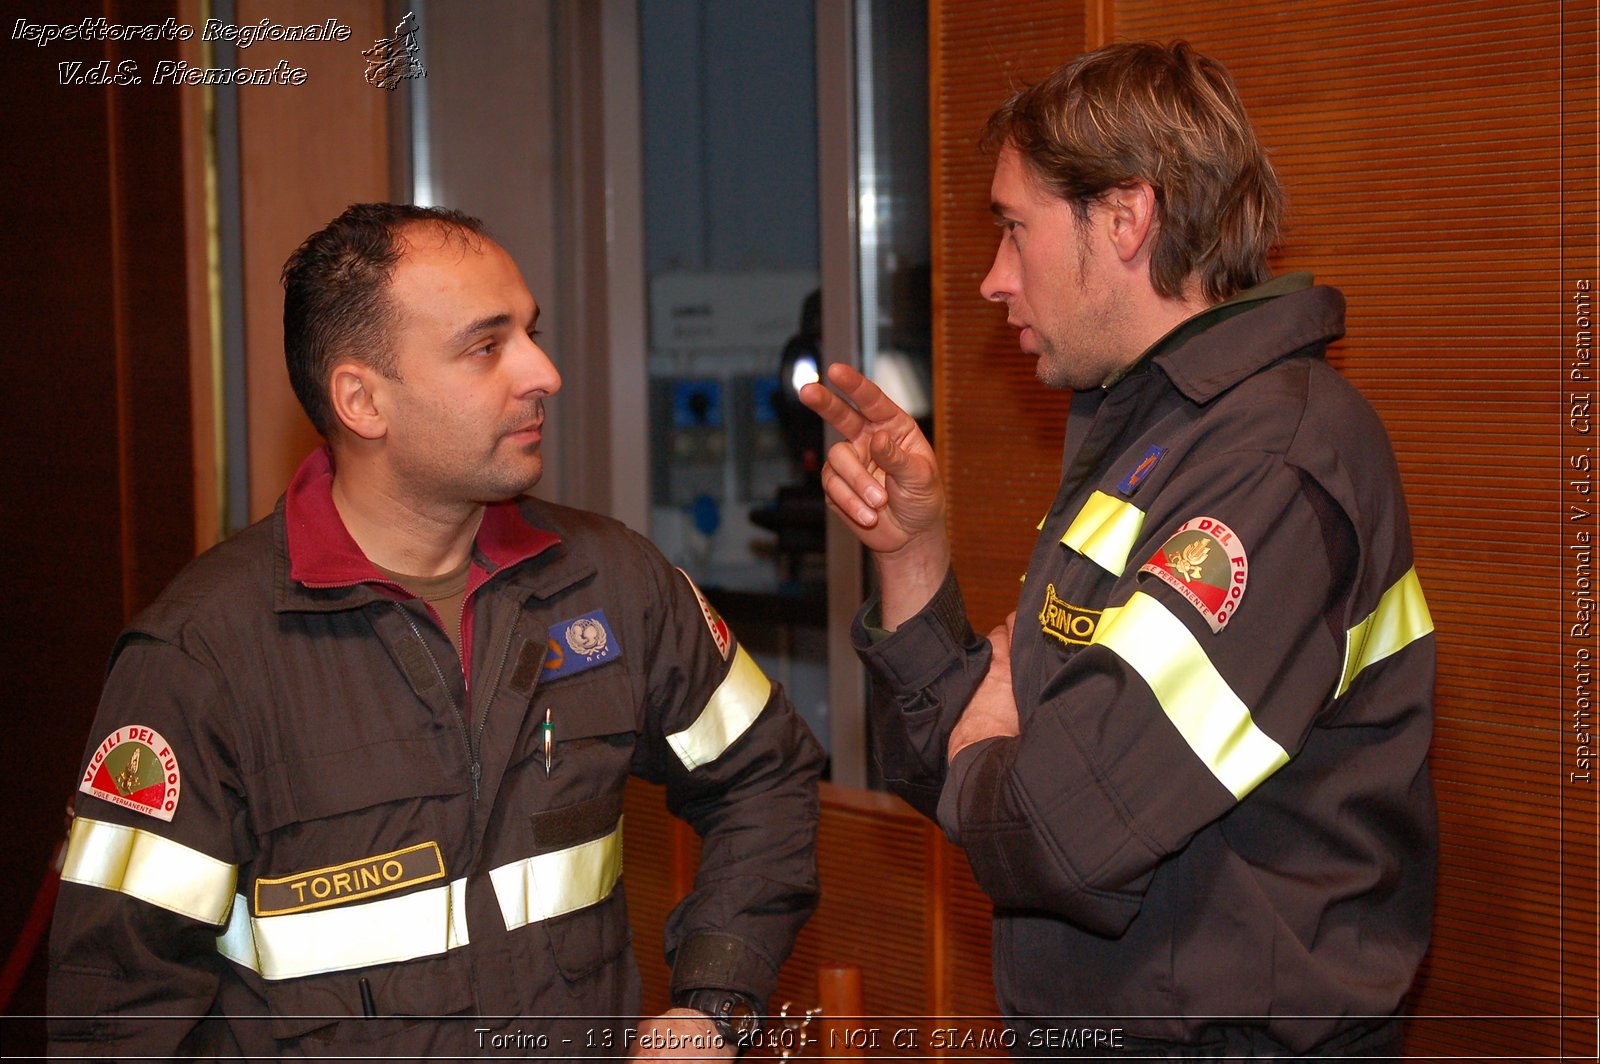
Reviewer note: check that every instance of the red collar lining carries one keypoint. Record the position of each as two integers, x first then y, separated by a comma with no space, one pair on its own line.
322,552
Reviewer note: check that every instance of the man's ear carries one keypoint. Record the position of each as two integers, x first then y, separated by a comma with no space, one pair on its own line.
353,391
1133,218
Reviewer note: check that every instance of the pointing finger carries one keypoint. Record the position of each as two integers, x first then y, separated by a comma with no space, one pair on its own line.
867,396
830,407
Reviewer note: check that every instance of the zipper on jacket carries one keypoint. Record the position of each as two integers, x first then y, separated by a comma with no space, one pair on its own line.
475,766
484,717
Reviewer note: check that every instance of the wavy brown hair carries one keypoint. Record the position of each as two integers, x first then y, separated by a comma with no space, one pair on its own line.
1167,115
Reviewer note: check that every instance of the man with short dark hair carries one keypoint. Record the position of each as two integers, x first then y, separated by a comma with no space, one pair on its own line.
1190,769
394,720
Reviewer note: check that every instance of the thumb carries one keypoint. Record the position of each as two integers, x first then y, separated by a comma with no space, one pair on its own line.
891,457
1000,639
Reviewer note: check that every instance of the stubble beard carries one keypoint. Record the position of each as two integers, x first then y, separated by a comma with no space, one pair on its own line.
1078,367
523,482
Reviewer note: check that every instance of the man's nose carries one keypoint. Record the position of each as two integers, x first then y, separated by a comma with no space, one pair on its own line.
1000,282
536,374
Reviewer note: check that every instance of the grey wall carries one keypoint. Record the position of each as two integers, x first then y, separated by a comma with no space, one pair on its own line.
730,157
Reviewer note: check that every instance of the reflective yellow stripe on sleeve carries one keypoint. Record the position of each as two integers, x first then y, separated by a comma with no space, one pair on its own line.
1194,696
1401,619
1105,531
149,867
732,708
421,924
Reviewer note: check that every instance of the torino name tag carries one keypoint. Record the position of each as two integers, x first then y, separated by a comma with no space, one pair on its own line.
356,880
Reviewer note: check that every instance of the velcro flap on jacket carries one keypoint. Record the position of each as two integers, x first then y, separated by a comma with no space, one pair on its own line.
557,829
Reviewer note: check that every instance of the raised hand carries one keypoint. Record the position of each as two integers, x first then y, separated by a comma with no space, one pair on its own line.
883,481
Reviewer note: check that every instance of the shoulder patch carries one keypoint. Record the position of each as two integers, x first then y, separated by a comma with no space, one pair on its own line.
714,621
1138,474
1204,561
580,643
134,767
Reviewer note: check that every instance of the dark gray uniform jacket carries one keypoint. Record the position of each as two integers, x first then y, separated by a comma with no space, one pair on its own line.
1219,804
360,830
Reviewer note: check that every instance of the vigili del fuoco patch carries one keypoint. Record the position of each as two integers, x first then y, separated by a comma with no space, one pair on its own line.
1204,561
135,768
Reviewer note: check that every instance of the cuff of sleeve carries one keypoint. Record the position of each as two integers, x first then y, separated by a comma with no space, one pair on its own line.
949,811
917,653
717,961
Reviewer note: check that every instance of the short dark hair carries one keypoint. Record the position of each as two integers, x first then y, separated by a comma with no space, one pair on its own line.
336,295
1167,115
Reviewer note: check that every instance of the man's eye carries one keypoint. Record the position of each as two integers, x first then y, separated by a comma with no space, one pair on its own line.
486,349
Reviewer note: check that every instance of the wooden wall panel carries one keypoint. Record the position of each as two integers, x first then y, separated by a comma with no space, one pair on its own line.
306,152
882,836
999,432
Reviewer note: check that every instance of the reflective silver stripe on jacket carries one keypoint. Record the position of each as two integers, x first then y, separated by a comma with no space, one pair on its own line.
732,708
421,924
1210,717
350,936
551,884
150,867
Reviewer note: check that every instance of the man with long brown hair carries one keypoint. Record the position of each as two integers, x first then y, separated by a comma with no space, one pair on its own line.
1190,769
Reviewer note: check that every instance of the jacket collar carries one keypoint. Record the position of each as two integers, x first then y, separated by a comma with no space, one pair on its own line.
318,554
1209,353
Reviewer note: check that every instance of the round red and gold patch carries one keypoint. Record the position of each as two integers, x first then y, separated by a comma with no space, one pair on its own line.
719,627
1204,561
135,768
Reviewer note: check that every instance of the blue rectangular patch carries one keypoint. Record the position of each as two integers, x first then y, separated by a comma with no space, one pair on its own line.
1146,466
580,643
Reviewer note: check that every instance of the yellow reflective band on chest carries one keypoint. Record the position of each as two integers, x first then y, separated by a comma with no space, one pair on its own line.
151,868
1401,619
1194,696
563,881
732,708
1105,531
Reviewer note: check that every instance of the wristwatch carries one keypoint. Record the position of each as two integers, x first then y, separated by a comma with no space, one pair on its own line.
737,1017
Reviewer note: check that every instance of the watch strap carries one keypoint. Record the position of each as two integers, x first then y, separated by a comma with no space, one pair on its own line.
737,1016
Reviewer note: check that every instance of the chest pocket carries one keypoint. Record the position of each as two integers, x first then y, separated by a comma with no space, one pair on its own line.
593,722
571,823
343,782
